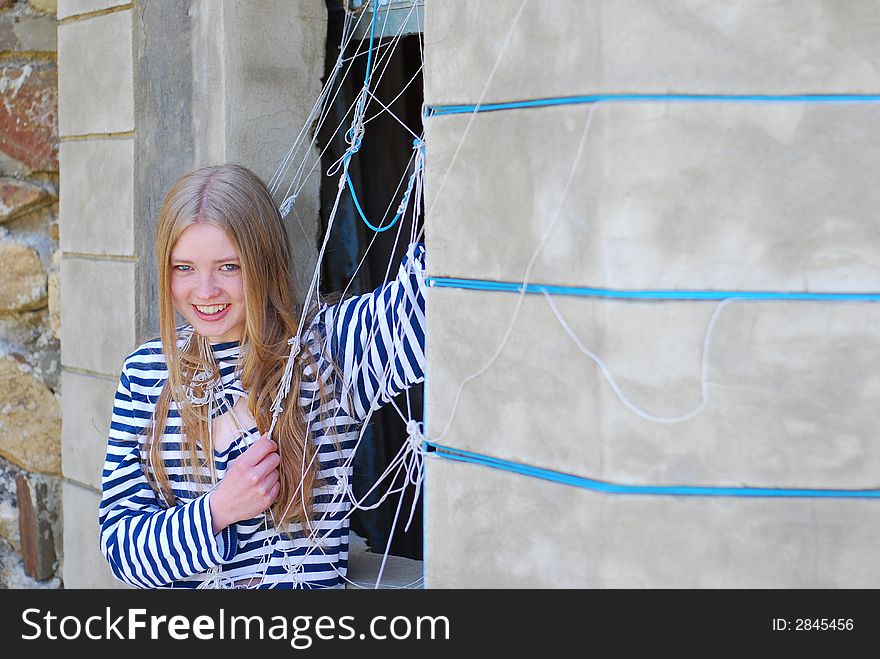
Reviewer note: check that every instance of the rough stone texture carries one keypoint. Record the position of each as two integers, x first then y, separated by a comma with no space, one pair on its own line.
84,565
104,210
46,6
28,115
691,196
30,419
55,294
790,386
99,314
18,197
86,408
66,8
95,79
28,33
530,533
566,48
35,528
12,574
9,505
23,279
28,334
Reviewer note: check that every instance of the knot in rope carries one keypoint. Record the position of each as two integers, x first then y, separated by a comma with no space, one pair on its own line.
415,438
287,204
341,486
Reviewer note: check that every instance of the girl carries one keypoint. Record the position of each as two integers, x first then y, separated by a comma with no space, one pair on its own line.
196,490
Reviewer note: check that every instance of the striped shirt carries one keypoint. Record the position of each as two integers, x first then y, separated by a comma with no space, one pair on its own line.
377,343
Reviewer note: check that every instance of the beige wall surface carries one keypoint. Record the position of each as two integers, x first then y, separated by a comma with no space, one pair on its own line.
714,196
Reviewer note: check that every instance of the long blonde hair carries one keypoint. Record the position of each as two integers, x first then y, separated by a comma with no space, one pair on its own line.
234,199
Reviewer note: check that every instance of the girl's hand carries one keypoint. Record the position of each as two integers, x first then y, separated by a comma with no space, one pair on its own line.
249,487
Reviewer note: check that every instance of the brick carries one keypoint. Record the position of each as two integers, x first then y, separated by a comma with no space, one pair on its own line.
18,197
28,33
98,308
98,219
86,407
95,81
22,278
28,116
35,517
30,419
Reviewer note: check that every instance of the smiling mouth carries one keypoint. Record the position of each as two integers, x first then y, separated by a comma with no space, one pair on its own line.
212,309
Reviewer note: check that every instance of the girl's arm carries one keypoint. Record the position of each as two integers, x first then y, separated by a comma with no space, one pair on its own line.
147,544
378,339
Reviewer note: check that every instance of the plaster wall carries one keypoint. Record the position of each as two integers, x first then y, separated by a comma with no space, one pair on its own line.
652,195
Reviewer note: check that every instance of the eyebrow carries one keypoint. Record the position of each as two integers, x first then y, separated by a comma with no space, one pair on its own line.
227,259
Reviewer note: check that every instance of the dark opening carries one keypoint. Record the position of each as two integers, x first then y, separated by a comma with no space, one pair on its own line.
375,171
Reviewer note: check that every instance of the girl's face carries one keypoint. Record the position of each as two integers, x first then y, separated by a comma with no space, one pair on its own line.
207,287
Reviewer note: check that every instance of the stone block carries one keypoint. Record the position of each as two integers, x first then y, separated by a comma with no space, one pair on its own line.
23,279
487,528
18,197
250,99
29,116
9,505
86,406
98,219
37,510
269,91
28,33
84,565
95,80
791,388
664,196
98,307
68,8
30,419
44,6
700,46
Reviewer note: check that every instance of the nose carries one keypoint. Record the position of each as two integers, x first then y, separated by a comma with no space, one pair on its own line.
207,287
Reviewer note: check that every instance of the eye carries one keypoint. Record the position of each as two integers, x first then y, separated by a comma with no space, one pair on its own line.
181,268
230,267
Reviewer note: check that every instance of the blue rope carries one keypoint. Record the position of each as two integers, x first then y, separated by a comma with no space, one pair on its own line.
448,453
356,146
510,287
441,110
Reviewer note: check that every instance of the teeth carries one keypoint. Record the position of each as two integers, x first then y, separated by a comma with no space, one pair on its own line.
212,309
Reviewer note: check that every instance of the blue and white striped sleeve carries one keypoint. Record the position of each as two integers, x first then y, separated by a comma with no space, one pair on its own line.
378,339
146,544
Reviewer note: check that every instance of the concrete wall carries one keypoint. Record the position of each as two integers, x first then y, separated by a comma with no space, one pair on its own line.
148,91
30,391
709,196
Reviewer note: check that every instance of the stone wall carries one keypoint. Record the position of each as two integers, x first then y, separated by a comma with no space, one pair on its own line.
709,196
30,410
